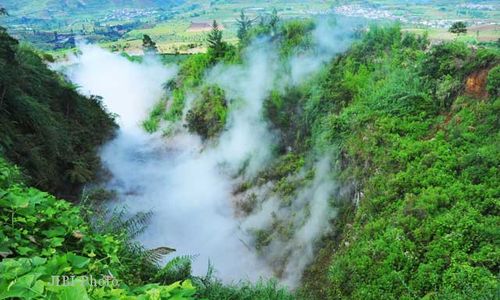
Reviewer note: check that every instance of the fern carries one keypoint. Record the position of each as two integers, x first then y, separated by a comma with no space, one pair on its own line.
143,263
179,268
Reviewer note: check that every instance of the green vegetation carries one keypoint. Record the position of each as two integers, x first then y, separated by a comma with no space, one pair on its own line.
412,129
148,45
493,82
46,127
420,148
244,25
418,145
49,248
208,115
422,152
43,239
152,124
52,249
122,23
458,28
216,47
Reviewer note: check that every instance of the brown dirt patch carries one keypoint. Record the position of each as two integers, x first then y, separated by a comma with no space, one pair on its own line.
475,84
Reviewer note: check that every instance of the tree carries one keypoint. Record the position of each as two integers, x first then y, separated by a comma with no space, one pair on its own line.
244,24
148,45
215,44
458,28
274,20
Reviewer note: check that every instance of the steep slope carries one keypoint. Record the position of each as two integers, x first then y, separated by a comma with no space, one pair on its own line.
411,131
46,127
414,131
424,154
49,249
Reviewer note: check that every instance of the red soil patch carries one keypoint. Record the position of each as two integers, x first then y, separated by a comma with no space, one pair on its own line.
475,85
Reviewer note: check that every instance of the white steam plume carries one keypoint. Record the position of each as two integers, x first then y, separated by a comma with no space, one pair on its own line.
330,37
185,189
129,89
309,214
188,185
308,217
246,139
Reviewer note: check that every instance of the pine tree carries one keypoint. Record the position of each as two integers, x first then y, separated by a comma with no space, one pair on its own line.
215,44
273,21
148,45
244,24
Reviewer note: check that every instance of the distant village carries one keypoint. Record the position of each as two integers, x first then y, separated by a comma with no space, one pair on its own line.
109,26
105,28
356,10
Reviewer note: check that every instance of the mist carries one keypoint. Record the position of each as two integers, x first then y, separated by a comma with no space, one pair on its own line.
129,89
246,139
189,184
184,188
247,136
330,37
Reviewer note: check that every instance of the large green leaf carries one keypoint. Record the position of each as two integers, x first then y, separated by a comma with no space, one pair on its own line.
77,261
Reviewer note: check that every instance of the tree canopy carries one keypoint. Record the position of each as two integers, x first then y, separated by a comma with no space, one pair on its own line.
458,28
148,45
244,25
216,45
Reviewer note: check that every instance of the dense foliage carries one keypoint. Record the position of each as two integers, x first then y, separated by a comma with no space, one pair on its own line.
208,114
412,129
46,127
425,155
43,239
419,147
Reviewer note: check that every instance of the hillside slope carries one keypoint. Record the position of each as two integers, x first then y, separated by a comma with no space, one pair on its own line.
413,131
46,127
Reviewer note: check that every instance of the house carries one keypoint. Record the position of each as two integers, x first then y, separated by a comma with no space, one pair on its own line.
202,27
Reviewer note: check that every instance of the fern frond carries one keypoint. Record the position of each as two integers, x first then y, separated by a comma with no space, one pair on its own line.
136,224
179,268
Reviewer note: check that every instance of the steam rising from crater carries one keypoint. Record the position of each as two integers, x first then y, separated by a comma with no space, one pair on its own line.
189,185
185,188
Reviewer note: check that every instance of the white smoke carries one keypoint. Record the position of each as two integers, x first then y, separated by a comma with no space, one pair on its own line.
330,37
185,189
189,185
309,214
308,217
129,89
246,139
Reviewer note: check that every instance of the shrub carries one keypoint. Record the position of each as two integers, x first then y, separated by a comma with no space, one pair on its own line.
208,115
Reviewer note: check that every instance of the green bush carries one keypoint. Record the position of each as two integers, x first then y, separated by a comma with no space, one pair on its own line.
208,114
43,239
493,85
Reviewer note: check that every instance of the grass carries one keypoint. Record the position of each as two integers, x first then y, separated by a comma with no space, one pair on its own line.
479,33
